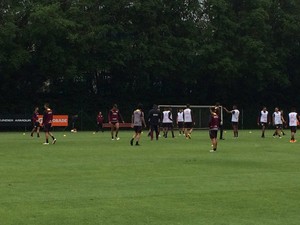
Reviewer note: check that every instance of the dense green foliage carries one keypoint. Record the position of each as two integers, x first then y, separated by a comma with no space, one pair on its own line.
89,179
83,54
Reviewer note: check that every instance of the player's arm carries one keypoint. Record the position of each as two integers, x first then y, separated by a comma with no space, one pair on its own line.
227,110
143,119
169,115
258,119
132,120
282,119
109,116
192,116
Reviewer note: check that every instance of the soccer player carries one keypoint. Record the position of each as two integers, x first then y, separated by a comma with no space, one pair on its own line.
35,122
137,121
235,114
73,122
221,128
47,124
293,122
100,120
214,125
180,121
114,117
154,117
167,122
188,121
277,122
263,120
284,123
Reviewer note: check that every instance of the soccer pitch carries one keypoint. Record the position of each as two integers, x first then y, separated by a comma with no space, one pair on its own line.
90,179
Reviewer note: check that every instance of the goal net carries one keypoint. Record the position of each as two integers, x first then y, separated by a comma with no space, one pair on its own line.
200,113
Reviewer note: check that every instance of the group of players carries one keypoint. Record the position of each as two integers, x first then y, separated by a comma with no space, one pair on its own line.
278,121
156,119
46,124
162,120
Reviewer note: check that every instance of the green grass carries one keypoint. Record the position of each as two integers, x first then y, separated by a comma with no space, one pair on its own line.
89,179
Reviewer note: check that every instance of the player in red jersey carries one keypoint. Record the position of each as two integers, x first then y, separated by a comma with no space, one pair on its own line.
100,120
47,124
35,122
214,125
114,117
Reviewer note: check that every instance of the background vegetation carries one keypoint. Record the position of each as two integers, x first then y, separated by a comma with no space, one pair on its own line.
85,55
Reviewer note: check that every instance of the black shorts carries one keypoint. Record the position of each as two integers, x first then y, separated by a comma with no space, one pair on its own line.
263,124
36,124
234,123
213,134
167,125
154,128
114,123
188,125
180,124
138,129
48,127
293,129
278,126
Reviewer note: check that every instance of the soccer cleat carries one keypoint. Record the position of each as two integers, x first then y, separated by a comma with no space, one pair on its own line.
112,139
117,138
137,144
131,142
46,143
54,141
189,136
211,150
292,141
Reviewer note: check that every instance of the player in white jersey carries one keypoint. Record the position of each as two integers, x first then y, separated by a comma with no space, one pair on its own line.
263,120
293,123
180,121
137,121
277,122
188,121
235,115
167,122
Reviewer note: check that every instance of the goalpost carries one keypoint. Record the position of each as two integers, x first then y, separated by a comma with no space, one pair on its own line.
201,114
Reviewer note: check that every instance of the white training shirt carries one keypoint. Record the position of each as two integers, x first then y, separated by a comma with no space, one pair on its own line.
187,113
166,118
180,117
277,118
293,119
235,115
264,116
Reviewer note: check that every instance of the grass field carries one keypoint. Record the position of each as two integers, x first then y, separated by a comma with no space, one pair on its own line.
90,179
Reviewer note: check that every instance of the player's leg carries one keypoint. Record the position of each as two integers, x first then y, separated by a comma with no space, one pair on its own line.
293,131
117,131
47,131
38,131
138,135
32,131
263,128
134,136
112,128
151,132
278,131
171,127
53,138
221,132
156,128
